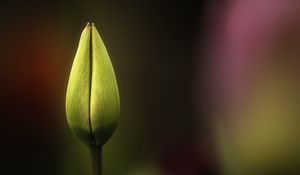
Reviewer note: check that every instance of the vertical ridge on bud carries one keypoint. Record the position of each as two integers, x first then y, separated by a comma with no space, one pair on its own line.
90,25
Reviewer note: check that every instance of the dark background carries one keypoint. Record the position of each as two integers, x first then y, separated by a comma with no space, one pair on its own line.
155,47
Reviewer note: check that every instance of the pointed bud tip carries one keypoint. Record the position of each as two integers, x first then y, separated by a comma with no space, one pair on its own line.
90,24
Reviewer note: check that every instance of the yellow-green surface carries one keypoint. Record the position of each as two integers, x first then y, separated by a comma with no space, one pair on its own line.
92,101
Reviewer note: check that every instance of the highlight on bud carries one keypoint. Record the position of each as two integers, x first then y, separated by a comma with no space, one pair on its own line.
92,100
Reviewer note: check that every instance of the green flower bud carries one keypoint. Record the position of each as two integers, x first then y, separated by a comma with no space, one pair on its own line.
92,100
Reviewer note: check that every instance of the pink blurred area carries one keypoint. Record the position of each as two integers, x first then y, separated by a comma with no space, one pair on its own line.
246,35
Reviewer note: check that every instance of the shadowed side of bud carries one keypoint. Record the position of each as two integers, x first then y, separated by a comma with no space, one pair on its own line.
105,103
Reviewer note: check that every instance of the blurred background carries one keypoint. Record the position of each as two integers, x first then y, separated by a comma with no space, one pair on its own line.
206,87
154,47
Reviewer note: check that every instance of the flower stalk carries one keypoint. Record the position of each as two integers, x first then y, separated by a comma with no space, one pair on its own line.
96,160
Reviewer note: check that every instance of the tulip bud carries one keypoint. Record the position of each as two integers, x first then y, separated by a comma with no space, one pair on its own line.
92,100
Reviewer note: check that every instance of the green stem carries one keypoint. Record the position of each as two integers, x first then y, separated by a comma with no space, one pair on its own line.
96,160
